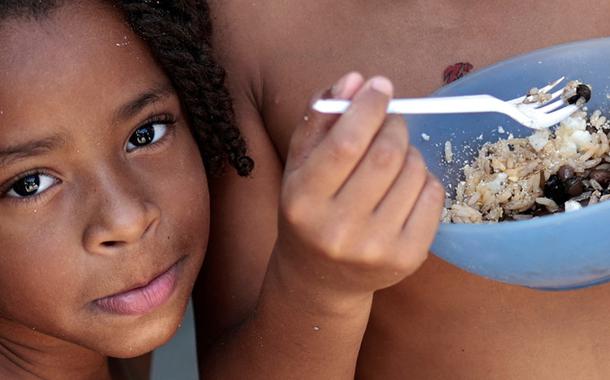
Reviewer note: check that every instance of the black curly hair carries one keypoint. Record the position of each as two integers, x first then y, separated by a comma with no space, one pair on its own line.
178,34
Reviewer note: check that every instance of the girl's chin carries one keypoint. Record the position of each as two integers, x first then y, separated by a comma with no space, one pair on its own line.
139,335
142,340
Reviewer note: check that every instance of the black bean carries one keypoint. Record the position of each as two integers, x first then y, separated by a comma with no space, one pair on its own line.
573,99
574,187
601,176
582,91
542,211
554,189
565,172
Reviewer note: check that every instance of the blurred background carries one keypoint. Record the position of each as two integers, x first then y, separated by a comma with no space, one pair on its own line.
177,360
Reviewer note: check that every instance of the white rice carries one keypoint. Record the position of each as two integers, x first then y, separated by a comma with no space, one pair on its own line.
506,179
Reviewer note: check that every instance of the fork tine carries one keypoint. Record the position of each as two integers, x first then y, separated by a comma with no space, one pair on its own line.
552,85
552,100
554,96
559,115
546,88
552,106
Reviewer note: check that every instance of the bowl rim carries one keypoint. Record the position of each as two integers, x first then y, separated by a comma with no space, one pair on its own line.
538,222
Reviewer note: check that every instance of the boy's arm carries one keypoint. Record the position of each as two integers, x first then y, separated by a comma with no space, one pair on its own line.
243,232
301,328
291,337
243,210
358,212
291,329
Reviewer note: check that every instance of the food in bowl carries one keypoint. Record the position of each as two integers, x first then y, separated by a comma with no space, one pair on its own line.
559,169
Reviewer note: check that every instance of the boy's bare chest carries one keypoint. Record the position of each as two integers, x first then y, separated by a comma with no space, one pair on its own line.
419,47
443,323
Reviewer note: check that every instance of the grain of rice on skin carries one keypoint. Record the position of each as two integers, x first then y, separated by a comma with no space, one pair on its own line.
506,179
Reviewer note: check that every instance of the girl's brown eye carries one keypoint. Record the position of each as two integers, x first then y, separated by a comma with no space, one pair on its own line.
31,185
146,135
27,186
143,136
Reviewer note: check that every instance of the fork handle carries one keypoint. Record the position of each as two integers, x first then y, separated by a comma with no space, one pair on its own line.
439,105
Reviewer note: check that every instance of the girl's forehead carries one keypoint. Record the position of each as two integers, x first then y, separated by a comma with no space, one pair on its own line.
79,60
70,41
73,23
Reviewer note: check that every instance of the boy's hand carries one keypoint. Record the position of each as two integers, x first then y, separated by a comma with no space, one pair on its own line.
358,208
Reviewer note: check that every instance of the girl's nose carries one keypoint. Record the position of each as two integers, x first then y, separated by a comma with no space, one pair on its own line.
122,217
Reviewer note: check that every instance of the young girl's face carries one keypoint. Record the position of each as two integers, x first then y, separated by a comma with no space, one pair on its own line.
103,196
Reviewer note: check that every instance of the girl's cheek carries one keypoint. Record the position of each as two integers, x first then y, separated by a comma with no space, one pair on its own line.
38,272
193,186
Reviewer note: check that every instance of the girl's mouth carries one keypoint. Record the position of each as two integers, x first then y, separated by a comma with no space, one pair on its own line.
143,299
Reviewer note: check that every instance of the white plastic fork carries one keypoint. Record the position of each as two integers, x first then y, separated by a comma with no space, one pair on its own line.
536,115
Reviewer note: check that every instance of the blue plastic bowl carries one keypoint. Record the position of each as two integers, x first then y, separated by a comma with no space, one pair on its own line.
557,252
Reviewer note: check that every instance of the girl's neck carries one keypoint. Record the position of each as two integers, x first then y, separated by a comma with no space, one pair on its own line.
27,353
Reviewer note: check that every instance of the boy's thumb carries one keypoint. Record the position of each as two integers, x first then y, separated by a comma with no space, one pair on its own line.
315,125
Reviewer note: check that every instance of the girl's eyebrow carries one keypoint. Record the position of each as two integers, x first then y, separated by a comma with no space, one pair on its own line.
10,154
145,98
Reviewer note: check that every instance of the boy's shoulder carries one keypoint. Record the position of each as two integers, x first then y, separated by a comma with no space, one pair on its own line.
275,52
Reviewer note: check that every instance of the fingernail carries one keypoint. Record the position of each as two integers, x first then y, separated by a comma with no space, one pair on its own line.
338,88
382,85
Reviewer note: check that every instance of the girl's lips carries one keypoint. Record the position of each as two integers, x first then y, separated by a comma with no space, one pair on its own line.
144,299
